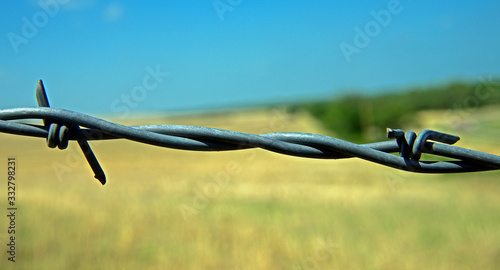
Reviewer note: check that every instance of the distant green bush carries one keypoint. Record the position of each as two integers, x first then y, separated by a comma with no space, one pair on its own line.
352,115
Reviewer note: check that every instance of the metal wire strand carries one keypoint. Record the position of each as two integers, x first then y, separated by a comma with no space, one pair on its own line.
61,126
210,139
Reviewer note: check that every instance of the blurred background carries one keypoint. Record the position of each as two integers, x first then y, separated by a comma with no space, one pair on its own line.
347,70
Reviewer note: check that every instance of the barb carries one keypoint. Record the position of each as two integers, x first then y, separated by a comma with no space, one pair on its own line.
58,135
61,126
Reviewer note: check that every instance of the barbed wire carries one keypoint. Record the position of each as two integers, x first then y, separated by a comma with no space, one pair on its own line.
61,126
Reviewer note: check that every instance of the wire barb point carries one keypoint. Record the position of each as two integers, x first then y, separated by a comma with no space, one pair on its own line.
58,135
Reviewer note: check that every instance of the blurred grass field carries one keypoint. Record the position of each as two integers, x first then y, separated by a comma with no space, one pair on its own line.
251,209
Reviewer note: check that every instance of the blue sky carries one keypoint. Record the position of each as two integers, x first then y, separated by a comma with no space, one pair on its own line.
99,56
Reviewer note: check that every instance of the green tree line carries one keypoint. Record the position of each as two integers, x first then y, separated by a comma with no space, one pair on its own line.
353,115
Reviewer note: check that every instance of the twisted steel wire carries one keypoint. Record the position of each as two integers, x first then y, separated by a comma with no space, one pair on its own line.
61,126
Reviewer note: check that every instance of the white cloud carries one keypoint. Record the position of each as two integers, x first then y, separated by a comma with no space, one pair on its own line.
113,12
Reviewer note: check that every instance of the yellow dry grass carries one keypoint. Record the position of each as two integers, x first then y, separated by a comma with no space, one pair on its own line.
251,209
